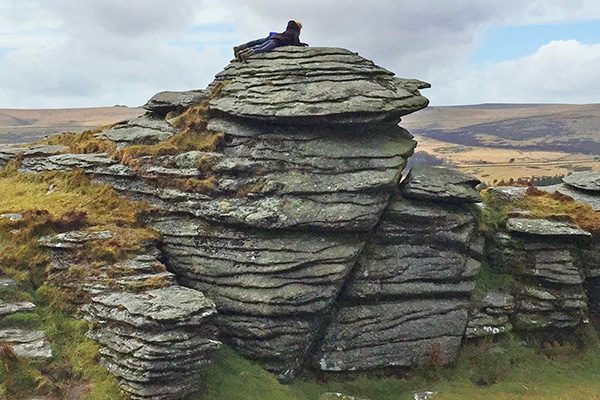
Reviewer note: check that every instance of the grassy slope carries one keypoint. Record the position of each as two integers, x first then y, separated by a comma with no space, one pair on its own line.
521,373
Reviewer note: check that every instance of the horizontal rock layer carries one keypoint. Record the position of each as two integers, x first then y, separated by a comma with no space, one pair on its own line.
312,84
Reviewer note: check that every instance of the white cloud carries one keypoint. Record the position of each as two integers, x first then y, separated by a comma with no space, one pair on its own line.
104,52
558,72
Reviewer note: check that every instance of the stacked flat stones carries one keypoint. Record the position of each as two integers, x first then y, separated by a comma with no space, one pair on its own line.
408,298
155,336
585,187
24,343
490,315
543,256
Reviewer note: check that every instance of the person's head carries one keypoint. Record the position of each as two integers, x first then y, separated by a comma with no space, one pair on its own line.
294,25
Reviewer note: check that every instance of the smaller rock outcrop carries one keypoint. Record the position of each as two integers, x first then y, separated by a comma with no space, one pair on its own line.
441,184
155,335
542,256
25,343
163,103
489,315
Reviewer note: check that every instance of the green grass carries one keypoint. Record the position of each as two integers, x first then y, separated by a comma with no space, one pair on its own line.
487,370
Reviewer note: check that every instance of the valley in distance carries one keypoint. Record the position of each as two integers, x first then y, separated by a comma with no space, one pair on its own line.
494,142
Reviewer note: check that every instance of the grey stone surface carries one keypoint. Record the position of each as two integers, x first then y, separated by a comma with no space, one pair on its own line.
73,239
12,308
440,184
418,247
270,288
507,194
165,102
544,227
393,335
155,336
489,315
142,130
11,216
27,343
589,181
300,84
549,275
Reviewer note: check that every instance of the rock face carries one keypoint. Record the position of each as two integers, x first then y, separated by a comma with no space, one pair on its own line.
407,300
165,102
441,184
155,336
489,315
543,256
276,241
588,181
300,85
312,253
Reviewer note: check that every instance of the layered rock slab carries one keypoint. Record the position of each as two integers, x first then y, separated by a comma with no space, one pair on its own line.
313,84
271,288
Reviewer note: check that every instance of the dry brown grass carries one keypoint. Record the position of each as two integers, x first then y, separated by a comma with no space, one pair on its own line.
548,205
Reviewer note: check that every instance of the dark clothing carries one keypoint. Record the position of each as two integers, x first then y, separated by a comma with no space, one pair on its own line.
268,45
291,36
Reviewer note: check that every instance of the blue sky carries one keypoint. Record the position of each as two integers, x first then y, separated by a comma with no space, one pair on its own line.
64,53
500,43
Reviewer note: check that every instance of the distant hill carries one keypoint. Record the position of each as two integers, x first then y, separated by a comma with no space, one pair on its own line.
541,127
18,126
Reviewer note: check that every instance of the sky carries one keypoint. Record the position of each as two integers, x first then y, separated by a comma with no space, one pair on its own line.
85,53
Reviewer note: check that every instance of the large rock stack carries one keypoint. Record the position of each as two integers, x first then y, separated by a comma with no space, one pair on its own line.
544,257
155,336
311,156
407,301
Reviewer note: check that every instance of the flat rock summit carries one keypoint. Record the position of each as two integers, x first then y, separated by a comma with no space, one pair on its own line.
288,232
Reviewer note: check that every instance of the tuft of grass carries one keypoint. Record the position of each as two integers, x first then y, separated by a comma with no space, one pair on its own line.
83,143
489,280
548,205
197,185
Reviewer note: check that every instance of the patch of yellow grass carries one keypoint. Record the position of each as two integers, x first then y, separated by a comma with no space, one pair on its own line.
547,205
72,191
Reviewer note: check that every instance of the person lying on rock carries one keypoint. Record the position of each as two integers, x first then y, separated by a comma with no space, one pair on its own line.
291,37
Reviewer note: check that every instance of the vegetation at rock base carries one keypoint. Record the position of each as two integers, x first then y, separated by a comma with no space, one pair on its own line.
505,369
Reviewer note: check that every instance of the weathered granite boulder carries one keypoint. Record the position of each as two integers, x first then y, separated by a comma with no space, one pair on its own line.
588,181
489,315
544,257
154,342
142,130
440,184
271,222
396,334
163,103
314,84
